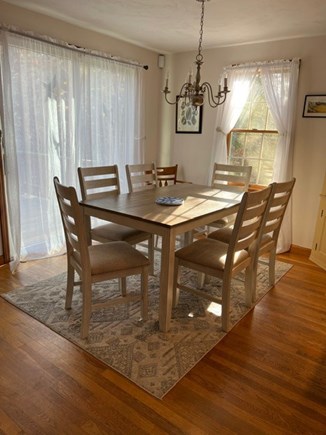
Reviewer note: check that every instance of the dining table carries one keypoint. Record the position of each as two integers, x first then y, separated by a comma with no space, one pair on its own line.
155,211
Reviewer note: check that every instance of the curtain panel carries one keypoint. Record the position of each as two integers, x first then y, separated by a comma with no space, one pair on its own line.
60,109
280,83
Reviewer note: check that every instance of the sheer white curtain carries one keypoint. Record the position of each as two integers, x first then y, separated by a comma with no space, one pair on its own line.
280,82
239,81
60,109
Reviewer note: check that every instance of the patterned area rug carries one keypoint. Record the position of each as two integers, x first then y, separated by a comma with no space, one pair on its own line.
153,360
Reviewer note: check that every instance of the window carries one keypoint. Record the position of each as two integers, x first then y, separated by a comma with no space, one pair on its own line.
63,109
253,139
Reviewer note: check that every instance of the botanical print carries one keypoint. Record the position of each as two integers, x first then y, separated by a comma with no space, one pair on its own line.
188,117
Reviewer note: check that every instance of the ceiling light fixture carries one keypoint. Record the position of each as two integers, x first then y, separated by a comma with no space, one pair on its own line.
193,92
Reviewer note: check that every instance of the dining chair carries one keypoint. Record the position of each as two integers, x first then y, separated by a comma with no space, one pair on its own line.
225,260
232,178
96,182
279,200
141,176
166,175
96,263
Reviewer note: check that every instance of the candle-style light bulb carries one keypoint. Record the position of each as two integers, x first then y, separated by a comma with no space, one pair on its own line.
167,80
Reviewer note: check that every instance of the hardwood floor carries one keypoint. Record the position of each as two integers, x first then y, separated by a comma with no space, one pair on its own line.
267,376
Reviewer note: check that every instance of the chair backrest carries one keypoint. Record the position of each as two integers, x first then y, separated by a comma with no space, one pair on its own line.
233,178
73,224
166,175
98,181
141,176
280,197
248,224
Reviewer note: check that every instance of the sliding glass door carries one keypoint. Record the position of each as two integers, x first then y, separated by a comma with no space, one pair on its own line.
61,109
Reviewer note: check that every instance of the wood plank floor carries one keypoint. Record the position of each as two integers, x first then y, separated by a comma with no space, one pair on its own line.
267,376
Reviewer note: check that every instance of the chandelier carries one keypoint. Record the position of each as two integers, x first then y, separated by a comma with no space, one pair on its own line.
192,91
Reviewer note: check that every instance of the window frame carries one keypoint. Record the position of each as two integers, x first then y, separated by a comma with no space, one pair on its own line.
252,186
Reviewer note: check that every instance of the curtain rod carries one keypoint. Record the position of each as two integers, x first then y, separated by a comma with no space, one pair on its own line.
73,47
262,63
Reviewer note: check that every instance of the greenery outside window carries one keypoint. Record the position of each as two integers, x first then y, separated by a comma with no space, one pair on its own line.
254,138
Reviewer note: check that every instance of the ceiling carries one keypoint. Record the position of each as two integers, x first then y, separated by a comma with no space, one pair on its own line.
171,26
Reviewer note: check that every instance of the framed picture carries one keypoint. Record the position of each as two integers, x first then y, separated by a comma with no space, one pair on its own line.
188,118
314,106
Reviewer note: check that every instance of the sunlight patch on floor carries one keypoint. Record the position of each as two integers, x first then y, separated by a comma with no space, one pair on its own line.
215,309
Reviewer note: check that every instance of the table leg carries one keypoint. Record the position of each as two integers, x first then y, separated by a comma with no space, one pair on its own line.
188,238
166,280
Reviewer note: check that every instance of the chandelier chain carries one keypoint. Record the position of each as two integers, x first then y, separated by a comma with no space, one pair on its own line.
201,31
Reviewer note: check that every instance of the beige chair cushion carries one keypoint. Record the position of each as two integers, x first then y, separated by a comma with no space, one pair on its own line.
223,235
115,232
209,253
114,256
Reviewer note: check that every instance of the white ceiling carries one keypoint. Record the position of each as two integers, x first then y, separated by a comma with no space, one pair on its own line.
170,26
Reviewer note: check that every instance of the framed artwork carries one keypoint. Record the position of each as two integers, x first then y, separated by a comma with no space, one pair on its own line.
314,106
188,118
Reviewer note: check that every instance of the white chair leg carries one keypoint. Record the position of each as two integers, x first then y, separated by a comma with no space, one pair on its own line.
144,293
176,291
70,286
272,259
200,279
151,254
226,288
123,286
87,303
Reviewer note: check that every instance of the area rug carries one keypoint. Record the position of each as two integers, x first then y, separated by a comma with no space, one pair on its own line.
153,360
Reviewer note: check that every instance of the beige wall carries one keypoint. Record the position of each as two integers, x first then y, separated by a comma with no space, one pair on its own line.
192,151
26,20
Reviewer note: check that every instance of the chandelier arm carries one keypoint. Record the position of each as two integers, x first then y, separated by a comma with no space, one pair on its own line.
211,99
169,102
224,98
184,88
218,99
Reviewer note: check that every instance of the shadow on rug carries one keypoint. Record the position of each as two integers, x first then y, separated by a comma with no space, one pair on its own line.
153,360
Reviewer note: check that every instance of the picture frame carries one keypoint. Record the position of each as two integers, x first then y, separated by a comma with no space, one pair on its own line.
314,106
188,118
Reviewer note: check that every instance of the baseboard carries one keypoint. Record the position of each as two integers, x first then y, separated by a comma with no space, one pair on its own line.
299,250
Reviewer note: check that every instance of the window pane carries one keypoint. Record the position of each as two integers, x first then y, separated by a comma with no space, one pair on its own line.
269,146
266,172
234,161
243,121
237,140
258,116
270,124
253,145
255,168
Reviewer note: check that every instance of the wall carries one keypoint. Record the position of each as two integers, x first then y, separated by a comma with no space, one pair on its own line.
192,152
27,20
309,136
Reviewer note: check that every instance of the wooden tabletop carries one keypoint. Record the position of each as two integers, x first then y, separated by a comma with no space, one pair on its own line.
199,201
